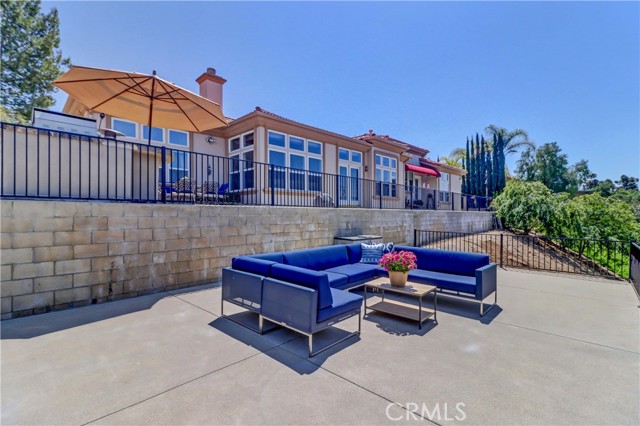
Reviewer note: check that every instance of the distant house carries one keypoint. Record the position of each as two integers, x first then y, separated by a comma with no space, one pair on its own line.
367,166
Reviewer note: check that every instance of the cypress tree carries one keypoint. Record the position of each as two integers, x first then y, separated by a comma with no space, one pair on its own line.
489,166
483,168
496,167
465,179
478,181
472,171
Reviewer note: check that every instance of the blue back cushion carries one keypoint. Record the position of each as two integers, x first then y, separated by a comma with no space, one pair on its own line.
451,262
274,257
354,251
253,265
304,277
318,259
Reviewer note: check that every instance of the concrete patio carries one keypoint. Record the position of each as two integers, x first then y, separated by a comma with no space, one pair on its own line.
557,350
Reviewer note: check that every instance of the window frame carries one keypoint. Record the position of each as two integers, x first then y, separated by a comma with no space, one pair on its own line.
291,173
136,125
238,155
389,188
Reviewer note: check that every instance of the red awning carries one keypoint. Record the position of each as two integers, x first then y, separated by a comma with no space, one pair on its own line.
428,171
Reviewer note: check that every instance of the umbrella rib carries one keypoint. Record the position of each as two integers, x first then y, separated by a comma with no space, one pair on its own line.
178,105
201,107
114,96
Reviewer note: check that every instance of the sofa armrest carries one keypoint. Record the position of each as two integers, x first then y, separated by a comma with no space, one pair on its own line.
486,280
290,304
242,288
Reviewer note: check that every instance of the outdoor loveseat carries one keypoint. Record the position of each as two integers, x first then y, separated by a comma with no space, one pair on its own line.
307,290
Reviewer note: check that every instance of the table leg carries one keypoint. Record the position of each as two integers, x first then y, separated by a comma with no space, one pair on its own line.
435,306
365,302
420,312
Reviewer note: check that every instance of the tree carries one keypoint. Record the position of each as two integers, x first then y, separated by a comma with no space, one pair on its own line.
490,176
632,198
524,206
582,174
605,188
483,169
472,170
627,182
547,165
513,140
31,58
478,161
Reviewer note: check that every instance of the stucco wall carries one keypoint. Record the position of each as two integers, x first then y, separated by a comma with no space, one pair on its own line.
57,254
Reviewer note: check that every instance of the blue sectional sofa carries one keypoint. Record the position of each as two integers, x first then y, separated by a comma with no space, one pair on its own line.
307,290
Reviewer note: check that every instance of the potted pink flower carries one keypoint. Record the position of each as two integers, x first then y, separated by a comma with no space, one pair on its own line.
398,264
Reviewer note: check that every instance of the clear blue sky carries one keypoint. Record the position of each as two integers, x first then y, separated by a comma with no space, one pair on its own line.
427,73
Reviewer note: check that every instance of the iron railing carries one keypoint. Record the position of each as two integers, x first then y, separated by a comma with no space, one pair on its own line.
607,258
634,267
42,163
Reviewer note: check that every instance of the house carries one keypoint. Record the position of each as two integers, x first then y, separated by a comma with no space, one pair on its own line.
364,170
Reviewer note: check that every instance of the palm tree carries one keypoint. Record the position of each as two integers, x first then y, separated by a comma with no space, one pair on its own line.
455,158
513,139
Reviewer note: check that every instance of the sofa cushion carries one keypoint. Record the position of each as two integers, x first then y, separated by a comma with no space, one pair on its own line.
274,257
354,251
318,259
452,262
356,271
307,278
337,280
444,281
371,253
343,302
381,272
253,265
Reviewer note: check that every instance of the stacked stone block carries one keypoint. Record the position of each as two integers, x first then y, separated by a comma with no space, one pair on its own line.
56,255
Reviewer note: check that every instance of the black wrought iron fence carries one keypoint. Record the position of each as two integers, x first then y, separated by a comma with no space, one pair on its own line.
608,258
634,267
41,163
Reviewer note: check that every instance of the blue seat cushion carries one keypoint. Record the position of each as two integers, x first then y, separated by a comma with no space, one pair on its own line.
444,281
253,265
452,262
354,251
318,281
337,280
318,259
274,257
382,273
356,271
343,302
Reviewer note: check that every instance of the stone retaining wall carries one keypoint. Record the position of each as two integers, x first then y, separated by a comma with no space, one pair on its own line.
58,254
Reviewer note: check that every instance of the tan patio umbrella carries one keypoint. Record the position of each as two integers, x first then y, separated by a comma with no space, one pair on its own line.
142,98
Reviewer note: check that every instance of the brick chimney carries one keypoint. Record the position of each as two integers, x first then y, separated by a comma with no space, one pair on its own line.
211,86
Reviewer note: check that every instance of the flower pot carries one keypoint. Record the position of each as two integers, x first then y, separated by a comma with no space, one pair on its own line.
398,279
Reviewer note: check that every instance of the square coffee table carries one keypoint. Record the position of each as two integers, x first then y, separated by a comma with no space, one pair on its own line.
402,309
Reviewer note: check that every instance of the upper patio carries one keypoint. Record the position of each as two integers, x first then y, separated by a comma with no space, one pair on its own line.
557,350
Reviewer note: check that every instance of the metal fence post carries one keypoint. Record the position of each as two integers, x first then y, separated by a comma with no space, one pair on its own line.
415,238
163,175
501,247
380,183
272,185
337,190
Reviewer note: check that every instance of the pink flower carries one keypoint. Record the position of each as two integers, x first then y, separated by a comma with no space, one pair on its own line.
402,261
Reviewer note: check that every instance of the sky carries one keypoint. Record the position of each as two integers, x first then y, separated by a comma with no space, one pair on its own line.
429,73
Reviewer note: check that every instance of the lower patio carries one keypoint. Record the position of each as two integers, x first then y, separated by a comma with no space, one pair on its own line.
557,350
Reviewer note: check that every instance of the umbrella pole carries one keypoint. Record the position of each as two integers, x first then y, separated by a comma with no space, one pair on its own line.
153,89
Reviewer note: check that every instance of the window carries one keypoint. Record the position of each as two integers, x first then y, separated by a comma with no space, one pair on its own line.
179,166
350,171
178,137
443,186
157,134
241,166
298,162
128,128
387,175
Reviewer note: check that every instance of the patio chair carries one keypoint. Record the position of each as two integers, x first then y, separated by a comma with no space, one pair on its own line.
208,192
168,189
186,189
